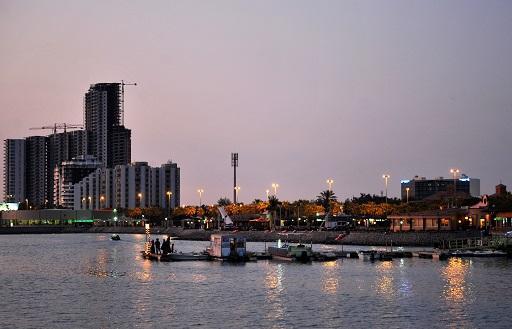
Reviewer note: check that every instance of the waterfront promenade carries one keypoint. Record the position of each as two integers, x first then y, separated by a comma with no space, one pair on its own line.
376,238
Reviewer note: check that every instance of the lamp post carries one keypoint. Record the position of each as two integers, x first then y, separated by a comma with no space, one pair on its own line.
169,194
140,199
386,177
83,203
329,183
237,191
89,198
407,192
200,192
102,202
454,172
268,191
275,186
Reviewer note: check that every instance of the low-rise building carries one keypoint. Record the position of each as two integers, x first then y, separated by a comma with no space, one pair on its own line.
129,186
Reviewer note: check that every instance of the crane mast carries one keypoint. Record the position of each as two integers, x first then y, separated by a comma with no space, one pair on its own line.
122,98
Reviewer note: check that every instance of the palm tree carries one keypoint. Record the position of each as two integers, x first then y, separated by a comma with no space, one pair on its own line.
273,205
224,202
325,198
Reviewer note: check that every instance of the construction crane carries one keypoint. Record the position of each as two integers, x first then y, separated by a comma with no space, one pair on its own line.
122,98
63,126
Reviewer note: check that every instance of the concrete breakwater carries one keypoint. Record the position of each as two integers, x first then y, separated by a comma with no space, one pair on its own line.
432,239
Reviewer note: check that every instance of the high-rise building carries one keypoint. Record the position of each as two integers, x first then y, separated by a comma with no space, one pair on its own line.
36,166
109,141
129,186
14,170
63,147
420,188
67,175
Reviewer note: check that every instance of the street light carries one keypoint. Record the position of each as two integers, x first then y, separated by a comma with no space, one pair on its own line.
407,191
386,177
169,194
200,192
268,191
102,200
330,182
454,172
275,186
83,202
237,190
140,199
90,204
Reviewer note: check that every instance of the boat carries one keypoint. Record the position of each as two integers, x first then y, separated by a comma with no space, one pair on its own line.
477,253
115,237
228,247
299,252
184,256
325,256
291,252
373,255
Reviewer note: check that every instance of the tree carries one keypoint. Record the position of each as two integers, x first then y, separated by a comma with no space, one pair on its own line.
224,202
273,205
325,198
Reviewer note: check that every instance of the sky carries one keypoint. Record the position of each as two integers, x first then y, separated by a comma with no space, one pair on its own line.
302,90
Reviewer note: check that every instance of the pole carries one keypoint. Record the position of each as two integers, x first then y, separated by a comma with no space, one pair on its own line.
234,164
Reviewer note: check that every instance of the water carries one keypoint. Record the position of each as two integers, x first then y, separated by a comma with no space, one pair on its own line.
89,281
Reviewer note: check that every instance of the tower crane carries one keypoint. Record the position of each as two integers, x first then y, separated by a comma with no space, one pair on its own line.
122,98
56,126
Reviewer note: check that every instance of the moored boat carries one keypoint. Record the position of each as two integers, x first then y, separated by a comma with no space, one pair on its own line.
477,253
299,252
184,256
228,247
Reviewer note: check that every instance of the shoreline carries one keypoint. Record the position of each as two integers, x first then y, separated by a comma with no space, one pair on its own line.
368,238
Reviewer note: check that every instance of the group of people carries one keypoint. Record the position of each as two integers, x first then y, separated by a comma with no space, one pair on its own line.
162,248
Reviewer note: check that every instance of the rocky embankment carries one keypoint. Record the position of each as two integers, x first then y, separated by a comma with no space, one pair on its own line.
353,238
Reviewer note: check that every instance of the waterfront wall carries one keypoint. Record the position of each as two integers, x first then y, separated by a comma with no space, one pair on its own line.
354,238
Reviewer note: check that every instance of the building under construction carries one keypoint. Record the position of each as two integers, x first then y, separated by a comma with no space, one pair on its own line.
30,163
108,140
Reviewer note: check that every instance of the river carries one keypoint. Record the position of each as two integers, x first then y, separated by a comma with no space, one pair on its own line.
89,281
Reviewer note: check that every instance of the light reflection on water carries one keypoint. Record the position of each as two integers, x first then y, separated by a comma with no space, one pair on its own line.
330,277
89,281
274,285
454,274
385,279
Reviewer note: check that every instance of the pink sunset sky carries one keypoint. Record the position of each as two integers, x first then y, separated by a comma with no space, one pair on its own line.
302,90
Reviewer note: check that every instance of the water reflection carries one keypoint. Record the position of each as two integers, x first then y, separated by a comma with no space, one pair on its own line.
454,274
384,282
330,277
274,285
456,291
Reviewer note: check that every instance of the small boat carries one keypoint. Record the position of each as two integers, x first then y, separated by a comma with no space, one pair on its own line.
373,255
325,256
285,251
184,256
478,253
115,237
228,247
298,252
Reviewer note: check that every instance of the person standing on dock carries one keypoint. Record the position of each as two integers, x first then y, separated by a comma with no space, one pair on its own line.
166,246
153,251
157,246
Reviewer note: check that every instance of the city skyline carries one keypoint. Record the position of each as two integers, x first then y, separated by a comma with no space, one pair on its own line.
345,91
